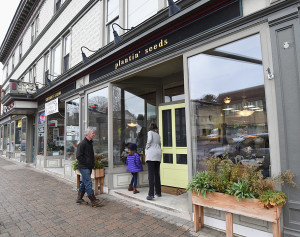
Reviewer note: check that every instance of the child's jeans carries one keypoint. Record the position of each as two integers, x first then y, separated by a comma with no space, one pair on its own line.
134,179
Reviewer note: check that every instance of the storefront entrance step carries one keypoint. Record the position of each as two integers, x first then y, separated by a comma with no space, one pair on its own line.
169,204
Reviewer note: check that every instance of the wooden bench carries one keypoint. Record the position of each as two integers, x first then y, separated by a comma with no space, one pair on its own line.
229,204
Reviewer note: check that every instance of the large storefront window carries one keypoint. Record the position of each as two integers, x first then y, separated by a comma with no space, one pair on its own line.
72,128
12,136
23,135
97,117
55,139
8,137
1,139
5,136
41,133
18,135
228,105
132,116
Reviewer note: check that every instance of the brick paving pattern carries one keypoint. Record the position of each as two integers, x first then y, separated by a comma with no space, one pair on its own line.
33,203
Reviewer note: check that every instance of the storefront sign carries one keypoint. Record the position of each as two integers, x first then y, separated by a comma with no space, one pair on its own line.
53,96
51,107
20,123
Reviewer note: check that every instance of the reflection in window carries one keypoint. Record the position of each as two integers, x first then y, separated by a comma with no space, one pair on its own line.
132,116
98,120
168,158
41,133
72,128
180,127
12,136
5,138
18,135
167,128
8,137
23,134
55,131
228,105
140,10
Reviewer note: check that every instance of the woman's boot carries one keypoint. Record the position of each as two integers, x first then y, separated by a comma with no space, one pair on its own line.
130,187
135,190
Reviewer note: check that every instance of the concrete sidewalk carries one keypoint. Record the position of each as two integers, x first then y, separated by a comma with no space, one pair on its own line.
34,203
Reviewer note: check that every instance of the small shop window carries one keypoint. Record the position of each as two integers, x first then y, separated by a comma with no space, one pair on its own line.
18,135
72,128
23,134
55,139
41,133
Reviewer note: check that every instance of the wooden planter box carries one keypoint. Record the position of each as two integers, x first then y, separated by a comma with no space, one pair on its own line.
97,175
246,207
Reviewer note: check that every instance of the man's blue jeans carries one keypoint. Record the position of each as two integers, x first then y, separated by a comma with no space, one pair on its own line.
86,184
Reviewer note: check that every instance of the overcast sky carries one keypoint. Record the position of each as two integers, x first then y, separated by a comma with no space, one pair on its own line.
7,12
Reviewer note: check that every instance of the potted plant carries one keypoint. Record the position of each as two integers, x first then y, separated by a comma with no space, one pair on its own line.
239,189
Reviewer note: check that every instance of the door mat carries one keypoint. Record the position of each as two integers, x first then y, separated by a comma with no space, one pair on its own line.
172,190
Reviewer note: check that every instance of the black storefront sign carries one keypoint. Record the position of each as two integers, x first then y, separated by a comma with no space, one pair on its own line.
206,20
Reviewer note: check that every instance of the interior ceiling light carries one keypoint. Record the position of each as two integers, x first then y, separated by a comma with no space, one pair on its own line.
227,100
131,124
245,112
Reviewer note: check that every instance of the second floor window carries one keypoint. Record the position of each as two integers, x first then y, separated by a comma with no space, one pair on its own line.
34,29
13,61
20,50
112,17
58,4
30,76
56,60
140,10
67,51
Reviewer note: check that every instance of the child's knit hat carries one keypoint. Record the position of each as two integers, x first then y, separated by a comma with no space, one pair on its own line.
132,147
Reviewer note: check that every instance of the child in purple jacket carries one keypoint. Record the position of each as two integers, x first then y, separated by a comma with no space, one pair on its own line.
134,165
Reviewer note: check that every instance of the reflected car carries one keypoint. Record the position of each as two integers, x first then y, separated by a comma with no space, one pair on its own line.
251,147
212,137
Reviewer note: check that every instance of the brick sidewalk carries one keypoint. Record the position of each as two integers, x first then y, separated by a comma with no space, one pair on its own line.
33,203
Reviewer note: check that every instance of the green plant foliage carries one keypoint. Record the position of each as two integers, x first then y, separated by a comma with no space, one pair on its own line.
240,190
241,181
201,183
271,198
75,165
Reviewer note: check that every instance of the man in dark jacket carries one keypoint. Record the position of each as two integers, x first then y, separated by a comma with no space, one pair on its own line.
86,162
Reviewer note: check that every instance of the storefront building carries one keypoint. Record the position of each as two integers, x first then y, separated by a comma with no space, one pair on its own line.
220,78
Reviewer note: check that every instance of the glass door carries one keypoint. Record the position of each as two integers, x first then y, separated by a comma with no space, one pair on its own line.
172,124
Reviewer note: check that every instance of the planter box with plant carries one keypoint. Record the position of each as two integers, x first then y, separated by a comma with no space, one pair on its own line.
238,189
97,172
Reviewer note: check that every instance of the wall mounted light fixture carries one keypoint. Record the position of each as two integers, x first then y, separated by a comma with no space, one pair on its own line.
173,8
118,38
84,57
270,74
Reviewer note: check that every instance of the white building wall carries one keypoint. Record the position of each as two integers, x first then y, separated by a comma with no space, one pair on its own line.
86,32
46,13
250,6
66,16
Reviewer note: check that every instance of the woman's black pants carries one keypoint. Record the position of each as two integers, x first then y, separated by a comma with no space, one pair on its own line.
154,177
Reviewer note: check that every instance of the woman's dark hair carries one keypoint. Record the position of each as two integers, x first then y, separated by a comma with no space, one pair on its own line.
153,127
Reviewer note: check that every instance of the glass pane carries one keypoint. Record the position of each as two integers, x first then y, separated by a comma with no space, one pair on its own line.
228,105
67,49
181,159
140,10
132,116
1,141
167,128
168,158
41,133
112,9
18,135
56,132
98,120
56,60
12,137
180,127
72,128
5,138
8,137
23,135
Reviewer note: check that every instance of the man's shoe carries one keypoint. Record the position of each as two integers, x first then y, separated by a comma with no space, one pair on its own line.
80,200
94,201
158,195
149,197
